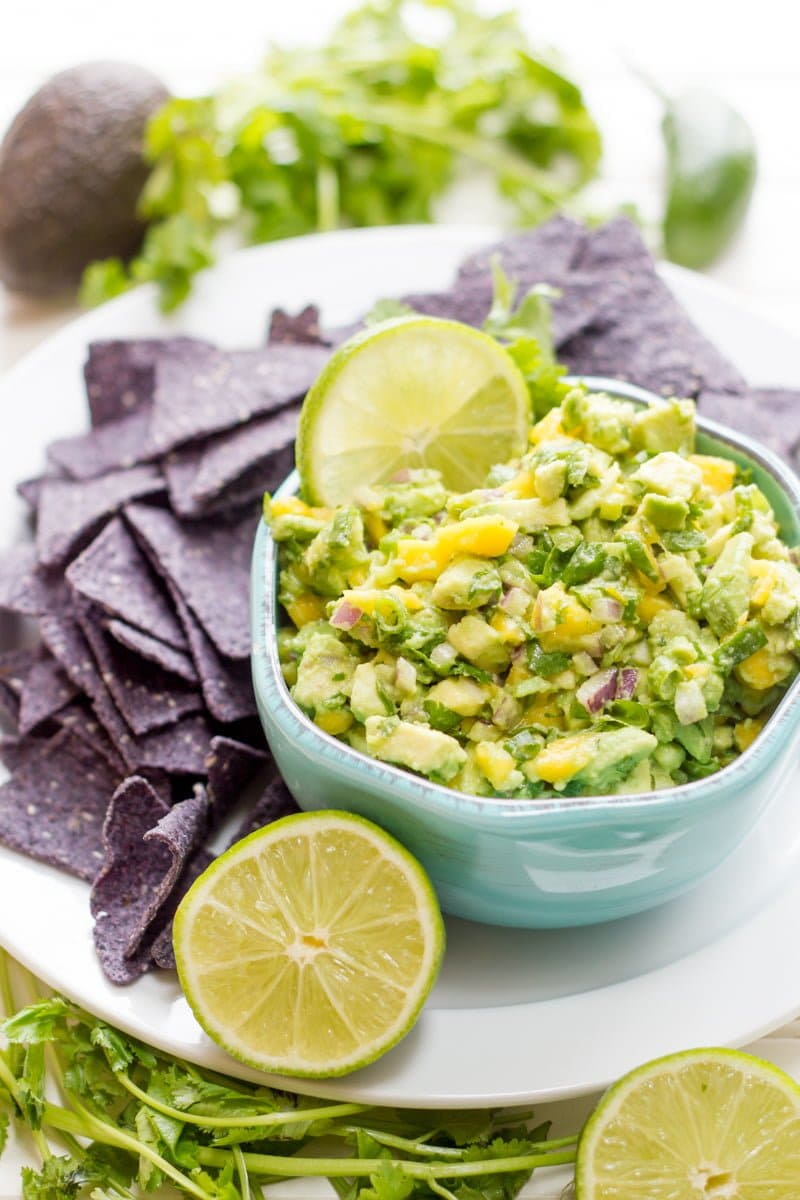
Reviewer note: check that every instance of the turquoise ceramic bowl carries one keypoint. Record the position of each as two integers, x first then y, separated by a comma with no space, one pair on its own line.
539,863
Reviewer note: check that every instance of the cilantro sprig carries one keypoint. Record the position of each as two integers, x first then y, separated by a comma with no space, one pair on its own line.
368,129
133,1117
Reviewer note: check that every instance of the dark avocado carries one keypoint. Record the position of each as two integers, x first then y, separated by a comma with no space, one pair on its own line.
71,171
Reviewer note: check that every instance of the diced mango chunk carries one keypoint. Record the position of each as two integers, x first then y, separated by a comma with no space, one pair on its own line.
509,629
486,537
747,731
764,668
367,599
306,608
336,722
765,576
548,428
293,506
718,473
521,487
495,762
564,758
650,605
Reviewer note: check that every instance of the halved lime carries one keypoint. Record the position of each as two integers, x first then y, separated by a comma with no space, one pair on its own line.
411,392
700,1125
309,947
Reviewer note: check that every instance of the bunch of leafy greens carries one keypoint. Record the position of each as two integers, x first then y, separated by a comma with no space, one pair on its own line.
108,1114
368,129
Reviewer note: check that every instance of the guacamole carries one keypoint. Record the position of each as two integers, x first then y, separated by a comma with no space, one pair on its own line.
610,613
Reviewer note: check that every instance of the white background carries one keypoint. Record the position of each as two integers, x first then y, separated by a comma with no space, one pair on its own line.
747,52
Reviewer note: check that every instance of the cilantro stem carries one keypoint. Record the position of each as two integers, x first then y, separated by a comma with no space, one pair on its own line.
241,1171
425,1149
84,1123
241,1120
10,1082
489,153
327,198
6,990
289,1167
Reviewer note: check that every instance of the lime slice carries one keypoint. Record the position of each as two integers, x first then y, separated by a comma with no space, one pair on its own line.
309,947
701,1125
412,392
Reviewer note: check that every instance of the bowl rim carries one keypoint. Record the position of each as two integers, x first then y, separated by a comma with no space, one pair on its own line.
268,677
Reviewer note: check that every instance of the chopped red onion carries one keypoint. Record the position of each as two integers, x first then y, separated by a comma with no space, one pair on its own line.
627,679
345,615
402,476
604,608
515,601
596,692
506,712
443,655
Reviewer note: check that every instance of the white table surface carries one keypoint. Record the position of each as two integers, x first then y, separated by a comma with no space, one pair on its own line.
751,59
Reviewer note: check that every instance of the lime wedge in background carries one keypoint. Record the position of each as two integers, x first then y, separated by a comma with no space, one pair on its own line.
309,947
412,392
701,1125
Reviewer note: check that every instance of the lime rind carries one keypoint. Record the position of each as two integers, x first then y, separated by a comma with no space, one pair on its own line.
204,985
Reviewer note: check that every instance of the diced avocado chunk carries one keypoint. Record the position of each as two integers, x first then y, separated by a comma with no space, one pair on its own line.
479,643
459,694
670,475
337,554
604,422
370,694
417,747
324,674
616,753
531,516
467,583
725,597
665,512
665,427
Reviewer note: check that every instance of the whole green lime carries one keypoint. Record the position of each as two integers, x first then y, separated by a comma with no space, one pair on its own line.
71,171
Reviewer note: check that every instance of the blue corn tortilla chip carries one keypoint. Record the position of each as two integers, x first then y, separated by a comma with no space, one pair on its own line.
16,752
233,467
544,254
25,587
301,329
15,667
209,566
770,415
120,375
71,512
114,446
47,689
275,802
81,719
226,389
642,334
54,806
63,637
177,662
231,766
146,697
128,886
180,749
226,684
114,574
148,847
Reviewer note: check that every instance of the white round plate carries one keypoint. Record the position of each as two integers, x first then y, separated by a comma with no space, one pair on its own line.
517,1016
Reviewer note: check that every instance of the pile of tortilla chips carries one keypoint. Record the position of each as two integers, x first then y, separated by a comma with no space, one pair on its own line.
133,728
